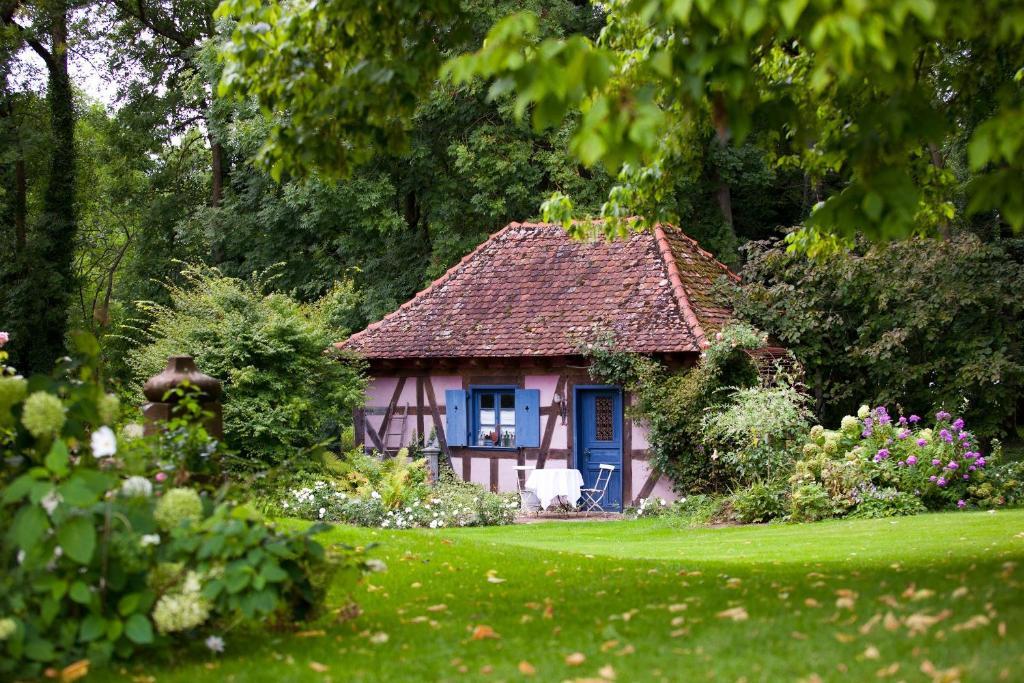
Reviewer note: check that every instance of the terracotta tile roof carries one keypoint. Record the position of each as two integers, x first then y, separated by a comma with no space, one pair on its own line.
531,290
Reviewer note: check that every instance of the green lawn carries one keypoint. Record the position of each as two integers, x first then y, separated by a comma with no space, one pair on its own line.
903,599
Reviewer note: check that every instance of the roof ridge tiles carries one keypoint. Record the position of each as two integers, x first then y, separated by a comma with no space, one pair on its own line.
678,289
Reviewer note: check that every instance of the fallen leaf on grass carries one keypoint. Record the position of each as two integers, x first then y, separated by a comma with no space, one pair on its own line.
951,675
734,613
811,602
74,671
575,659
379,638
627,650
872,652
960,592
526,668
887,671
677,607
891,623
437,608
318,667
869,624
609,645
607,672
796,635
977,621
920,622
483,631
310,634
843,637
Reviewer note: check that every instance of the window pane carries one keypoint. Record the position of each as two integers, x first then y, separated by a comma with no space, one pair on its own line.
487,401
484,436
487,417
508,417
508,401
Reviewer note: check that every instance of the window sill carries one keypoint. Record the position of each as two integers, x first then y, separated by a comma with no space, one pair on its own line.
507,449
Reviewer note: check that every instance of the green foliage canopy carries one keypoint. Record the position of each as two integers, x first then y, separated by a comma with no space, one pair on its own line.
923,324
282,390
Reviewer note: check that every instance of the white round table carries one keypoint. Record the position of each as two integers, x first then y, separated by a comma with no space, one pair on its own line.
551,485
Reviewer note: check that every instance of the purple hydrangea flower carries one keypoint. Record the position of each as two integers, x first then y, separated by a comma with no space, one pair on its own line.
936,462
941,481
922,442
902,463
961,504
972,468
902,421
903,434
883,453
912,460
883,415
952,465
966,477
942,415
914,419
958,423
946,436
932,478
980,462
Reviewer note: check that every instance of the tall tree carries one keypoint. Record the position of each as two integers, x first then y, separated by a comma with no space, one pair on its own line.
163,52
43,27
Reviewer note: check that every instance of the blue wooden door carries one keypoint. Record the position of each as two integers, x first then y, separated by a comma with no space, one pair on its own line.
599,439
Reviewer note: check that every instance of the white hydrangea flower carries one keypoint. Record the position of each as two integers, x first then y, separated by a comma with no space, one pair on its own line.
180,611
149,539
50,501
323,511
374,495
103,442
137,487
7,628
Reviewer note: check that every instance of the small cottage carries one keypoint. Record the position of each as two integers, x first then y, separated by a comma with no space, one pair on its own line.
487,358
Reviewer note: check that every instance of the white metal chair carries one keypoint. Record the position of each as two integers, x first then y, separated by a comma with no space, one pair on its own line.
528,500
592,497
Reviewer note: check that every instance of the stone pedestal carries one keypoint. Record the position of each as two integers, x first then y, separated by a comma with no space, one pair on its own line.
181,371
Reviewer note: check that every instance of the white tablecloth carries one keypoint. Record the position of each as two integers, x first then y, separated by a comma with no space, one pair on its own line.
551,484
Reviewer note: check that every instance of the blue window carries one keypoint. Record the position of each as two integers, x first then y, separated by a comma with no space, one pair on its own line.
494,417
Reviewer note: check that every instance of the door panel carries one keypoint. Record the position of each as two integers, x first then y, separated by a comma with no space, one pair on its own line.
599,439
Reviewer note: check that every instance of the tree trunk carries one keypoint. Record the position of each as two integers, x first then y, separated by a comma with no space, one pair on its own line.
52,263
217,169
723,194
20,205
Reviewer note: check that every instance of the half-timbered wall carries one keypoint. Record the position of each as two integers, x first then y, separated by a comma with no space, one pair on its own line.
423,392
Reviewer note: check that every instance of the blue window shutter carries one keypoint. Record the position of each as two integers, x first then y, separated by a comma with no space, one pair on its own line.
456,424
528,418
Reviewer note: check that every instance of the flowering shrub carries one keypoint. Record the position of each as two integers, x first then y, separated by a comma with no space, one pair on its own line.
104,554
873,457
450,503
648,507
